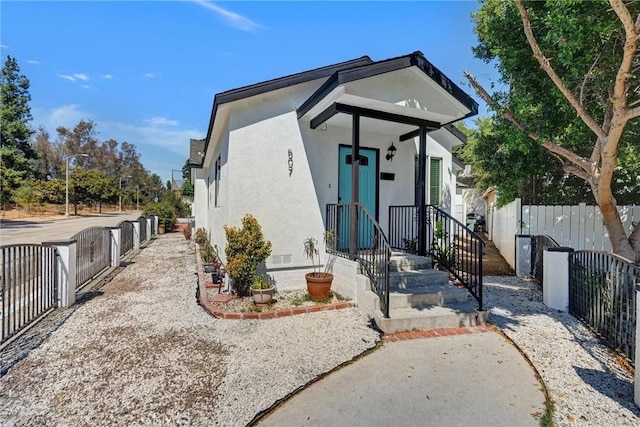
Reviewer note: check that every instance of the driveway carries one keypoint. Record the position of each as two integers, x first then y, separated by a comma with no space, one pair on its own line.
37,230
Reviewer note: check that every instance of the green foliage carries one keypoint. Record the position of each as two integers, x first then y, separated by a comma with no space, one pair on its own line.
261,282
186,189
584,41
181,209
208,253
441,247
165,212
311,249
246,249
17,154
27,195
201,236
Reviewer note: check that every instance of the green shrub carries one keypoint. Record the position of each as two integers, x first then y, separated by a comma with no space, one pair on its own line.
246,249
201,236
164,211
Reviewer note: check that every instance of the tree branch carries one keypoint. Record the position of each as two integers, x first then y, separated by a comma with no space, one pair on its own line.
621,86
546,66
569,155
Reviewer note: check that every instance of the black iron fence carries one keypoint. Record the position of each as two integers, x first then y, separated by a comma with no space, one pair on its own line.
28,287
93,253
448,241
538,245
143,228
602,294
372,249
126,237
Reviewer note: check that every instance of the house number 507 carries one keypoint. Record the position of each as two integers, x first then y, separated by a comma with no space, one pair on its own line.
290,162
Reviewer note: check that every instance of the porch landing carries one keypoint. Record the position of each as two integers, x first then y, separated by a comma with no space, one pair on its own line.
422,298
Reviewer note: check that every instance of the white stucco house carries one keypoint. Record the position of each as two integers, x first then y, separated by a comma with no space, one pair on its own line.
288,149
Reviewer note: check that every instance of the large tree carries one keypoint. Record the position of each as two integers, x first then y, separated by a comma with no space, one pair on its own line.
16,151
574,89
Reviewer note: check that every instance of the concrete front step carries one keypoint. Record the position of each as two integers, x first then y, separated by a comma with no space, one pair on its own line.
401,261
428,295
431,317
417,279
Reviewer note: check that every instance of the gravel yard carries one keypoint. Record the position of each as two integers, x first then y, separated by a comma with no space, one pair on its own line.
144,352
583,378
140,351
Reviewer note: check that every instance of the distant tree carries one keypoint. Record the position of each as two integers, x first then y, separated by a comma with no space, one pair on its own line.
16,152
28,194
186,189
91,186
573,90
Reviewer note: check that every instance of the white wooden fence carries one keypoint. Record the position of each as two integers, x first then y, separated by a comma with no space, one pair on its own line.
579,226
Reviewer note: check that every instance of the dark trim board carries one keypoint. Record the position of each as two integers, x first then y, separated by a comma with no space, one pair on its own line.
375,68
336,108
275,84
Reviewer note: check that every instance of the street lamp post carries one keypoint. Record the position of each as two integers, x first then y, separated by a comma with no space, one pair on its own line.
66,204
120,194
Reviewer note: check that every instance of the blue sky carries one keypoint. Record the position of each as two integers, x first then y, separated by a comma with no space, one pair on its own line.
146,72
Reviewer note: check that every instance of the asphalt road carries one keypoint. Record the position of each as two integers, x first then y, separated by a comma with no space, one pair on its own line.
37,230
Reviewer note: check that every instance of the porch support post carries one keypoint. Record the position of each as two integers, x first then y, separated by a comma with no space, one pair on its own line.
355,186
420,199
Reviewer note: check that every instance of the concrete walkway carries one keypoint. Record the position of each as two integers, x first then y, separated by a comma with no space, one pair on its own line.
472,379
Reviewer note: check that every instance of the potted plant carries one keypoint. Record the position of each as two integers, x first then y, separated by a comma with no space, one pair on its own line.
209,257
318,282
262,290
187,232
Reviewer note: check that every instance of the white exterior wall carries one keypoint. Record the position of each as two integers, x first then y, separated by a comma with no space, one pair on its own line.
434,149
254,146
199,207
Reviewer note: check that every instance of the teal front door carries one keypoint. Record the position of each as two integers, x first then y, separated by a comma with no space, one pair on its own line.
367,194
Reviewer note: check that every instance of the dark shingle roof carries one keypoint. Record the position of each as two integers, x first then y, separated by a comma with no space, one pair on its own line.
196,152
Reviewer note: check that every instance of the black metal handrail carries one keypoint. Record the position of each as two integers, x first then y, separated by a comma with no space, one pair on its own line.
602,294
448,241
373,251
28,285
538,245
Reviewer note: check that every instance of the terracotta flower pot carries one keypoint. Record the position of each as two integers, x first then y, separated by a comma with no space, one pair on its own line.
319,285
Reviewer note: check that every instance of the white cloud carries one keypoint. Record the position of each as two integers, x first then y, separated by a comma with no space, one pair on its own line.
4,46
149,75
64,115
85,86
235,20
82,77
161,121
33,61
150,137
67,77
107,76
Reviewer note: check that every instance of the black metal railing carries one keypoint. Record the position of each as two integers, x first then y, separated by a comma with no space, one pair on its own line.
538,245
143,228
449,242
602,294
372,250
126,237
93,253
28,286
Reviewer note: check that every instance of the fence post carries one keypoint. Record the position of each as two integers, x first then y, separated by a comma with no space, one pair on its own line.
155,232
555,279
65,271
523,255
636,382
116,243
148,223
136,234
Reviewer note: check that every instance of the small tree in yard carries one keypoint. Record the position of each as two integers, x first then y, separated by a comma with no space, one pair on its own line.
584,111
246,249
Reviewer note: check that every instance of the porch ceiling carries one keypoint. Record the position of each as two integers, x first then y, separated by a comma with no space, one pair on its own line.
402,88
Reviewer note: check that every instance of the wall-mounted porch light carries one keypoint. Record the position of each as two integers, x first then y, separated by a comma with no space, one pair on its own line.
391,151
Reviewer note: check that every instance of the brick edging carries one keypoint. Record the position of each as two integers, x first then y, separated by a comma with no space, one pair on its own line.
271,314
442,332
282,312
